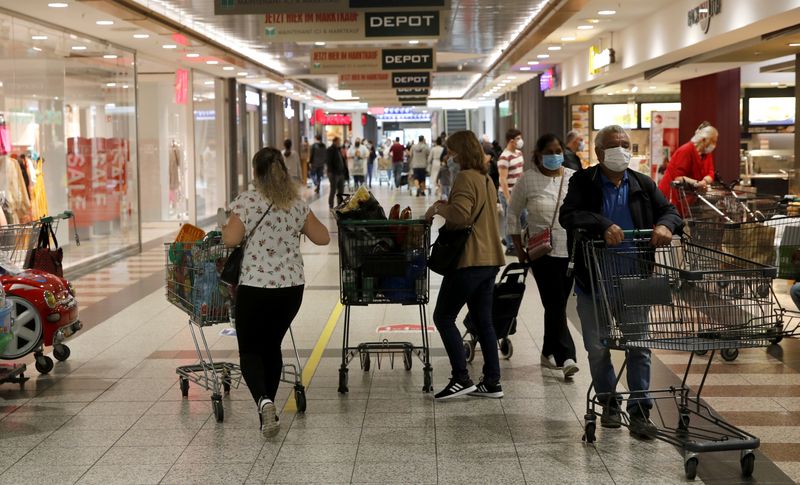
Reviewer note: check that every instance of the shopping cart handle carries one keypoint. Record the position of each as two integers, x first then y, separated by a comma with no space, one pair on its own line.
637,232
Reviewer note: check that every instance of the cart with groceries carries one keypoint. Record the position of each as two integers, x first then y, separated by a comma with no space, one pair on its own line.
382,261
681,297
193,266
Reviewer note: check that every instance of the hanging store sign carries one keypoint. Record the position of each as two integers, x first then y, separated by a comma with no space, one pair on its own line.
547,80
411,80
600,59
702,14
408,59
407,114
336,61
181,86
378,80
413,92
246,7
321,118
311,26
403,24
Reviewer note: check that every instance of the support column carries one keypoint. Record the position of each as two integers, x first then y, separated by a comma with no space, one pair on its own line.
794,182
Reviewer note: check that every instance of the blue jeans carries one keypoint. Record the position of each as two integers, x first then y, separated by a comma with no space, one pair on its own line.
474,287
398,171
794,292
603,375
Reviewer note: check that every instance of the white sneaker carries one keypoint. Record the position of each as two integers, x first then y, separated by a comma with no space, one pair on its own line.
570,369
549,362
269,418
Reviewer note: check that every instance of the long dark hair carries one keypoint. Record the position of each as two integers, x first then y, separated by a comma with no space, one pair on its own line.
287,144
541,144
272,179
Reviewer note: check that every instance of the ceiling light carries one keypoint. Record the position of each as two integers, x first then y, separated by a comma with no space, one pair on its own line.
193,55
57,5
512,77
554,48
653,87
702,10
773,83
543,56
141,36
585,27
209,83
243,73
169,46
37,49
794,44
593,21
38,37
212,63
413,42
282,88
228,68
526,68
110,56
533,63
320,43
125,86
79,47
568,38
111,85
635,89
606,12
105,22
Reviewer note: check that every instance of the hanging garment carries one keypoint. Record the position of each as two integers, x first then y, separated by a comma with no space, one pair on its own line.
5,140
175,168
17,192
39,200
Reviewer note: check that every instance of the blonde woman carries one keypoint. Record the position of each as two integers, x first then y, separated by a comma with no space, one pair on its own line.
269,221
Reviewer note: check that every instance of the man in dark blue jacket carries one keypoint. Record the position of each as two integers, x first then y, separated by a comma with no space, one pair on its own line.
603,201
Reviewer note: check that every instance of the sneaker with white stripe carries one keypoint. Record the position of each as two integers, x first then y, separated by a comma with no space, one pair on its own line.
485,389
456,388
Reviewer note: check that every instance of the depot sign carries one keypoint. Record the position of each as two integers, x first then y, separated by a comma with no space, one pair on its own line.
403,24
244,7
338,61
344,26
411,80
408,59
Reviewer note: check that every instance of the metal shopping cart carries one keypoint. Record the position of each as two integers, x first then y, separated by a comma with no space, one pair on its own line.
384,262
194,286
682,297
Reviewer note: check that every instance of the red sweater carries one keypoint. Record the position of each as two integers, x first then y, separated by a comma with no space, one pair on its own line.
685,162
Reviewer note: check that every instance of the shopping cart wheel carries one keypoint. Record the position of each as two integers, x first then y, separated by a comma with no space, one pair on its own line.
777,331
216,405
427,385
700,352
44,364
690,467
506,348
683,422
300,398
408,359
61,352
469,350
343,380
729,355
748,463
589,429
184,387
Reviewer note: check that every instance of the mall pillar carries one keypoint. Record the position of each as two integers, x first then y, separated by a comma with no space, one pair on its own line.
794,183
715,98
538,114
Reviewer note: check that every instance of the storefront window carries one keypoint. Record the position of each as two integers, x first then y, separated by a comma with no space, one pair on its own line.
209,147
67,136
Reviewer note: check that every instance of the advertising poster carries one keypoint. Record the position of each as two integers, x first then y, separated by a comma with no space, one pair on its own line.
79,178
663,140
580,123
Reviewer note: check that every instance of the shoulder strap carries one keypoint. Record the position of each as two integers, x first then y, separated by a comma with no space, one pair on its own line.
484,203
558,200
253,230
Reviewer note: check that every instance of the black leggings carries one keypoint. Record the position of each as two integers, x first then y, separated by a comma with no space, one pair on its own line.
554,288
263,316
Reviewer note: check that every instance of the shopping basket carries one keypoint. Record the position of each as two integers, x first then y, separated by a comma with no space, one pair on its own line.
384,262
681,297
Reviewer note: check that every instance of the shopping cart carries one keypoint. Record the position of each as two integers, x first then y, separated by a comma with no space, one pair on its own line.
194,286
384,262
681,297
725,203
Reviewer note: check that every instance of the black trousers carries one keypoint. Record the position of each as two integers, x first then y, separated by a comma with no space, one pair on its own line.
263,316
337,187
554,288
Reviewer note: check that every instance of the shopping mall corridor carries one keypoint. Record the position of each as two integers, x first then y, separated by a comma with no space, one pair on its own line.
113,413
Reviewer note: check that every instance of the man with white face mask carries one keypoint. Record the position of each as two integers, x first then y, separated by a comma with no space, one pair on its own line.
692,163
510,166
603,201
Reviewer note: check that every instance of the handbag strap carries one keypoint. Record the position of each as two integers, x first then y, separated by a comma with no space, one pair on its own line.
558,201
484,204
253,230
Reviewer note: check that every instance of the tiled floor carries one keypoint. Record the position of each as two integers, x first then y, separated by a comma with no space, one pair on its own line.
113,413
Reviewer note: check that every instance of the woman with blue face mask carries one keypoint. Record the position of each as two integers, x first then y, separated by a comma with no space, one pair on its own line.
541,190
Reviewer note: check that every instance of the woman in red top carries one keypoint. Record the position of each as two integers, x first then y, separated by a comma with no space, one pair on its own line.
692,163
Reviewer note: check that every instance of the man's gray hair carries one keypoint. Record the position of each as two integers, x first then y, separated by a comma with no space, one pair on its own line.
603,134
571,136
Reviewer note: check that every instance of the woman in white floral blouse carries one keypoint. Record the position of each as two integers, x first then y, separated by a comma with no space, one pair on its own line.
271,284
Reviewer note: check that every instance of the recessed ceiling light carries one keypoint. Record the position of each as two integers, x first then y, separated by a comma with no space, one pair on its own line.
413,42
125,86
282,88
635,89
37,49
209,83
653,87
606,12
38,37
105,22
110,56
192,55
141,36
58,5
585,27
568,38
702,10
228,68
79,47
320,43
243,73
533,63
626,90
526,68
512,77
543,56
169,46
212,63
111,85
794,44
554,48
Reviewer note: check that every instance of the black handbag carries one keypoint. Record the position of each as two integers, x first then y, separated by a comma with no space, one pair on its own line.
46,257
232,270
448,248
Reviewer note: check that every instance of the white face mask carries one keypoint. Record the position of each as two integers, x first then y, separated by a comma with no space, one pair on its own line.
520,144
710,148
581,146
617,159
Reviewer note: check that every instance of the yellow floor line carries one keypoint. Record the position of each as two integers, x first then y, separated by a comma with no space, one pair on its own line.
313,361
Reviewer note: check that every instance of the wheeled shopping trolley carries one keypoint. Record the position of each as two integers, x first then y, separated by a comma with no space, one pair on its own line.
681,297
384,262
194,286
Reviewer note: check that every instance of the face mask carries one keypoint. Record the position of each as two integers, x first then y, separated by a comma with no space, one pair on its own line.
617,159
710,148
520,144
582,146
553,161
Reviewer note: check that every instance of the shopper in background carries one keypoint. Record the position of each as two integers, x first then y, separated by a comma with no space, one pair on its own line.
494,172
471,204
435,160
398,153
574,144
337,170
272,274
443,180
293,164
692,163
304,160
358,156
420,154
541,191
605,200
373,155
319,156
345,149
510,167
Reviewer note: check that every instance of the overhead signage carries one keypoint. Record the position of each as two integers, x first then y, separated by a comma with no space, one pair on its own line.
413,92
408,59
337,61
246,7
321,118
417,24
547,80
411,80
599,60
311,26
702,14
355,81
394,115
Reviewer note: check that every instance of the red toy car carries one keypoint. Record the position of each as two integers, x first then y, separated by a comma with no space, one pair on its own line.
45,314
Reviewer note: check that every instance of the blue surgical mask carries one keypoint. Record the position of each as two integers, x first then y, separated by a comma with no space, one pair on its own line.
553,161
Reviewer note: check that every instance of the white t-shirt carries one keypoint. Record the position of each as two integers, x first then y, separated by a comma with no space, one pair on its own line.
272,257
359,158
